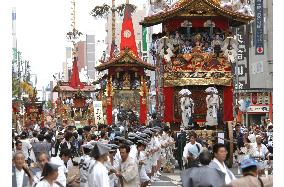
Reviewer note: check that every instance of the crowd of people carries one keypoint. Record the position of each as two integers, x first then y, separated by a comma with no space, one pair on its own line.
103,155
255,142
99,156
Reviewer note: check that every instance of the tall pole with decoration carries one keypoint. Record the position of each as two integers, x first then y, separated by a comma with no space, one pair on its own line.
113,27
104,10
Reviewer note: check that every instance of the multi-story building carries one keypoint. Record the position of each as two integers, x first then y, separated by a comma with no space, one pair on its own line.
86,58
90,55
259,66
81,54
67,64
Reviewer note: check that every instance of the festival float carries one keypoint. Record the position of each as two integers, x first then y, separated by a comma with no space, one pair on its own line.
74,98
126,84
32,108
197,50
74,101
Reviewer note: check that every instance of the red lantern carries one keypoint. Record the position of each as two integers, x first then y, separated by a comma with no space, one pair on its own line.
254,98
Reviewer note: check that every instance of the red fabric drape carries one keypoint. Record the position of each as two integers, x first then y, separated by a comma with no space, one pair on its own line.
109,110
169,104
221,23
75,79
228,103
127,33
143,110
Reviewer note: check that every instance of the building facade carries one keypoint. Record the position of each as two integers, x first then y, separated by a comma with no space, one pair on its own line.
259,91
81,54
90,56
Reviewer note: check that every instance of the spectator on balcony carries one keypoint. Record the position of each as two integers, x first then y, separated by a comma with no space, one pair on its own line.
207,48
187,48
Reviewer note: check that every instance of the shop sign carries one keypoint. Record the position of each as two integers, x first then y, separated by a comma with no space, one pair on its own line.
258,109
259,21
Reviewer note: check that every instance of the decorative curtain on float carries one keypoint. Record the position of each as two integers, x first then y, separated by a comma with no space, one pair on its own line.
169,103
228,104
75,80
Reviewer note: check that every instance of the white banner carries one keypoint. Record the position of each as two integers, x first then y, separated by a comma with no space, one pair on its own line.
98,112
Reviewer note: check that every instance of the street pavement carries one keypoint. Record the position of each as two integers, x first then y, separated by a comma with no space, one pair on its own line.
173,179
168,180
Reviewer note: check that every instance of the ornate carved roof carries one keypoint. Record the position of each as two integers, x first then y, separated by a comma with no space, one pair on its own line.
197,8
125,58
64,87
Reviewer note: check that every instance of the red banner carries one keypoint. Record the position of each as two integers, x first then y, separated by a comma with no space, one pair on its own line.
109,110
228,103
143,109
169,103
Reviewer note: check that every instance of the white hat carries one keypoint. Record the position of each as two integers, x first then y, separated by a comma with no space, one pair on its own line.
100,149
88,146
210,90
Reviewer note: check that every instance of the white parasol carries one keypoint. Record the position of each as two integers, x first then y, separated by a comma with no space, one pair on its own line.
184,92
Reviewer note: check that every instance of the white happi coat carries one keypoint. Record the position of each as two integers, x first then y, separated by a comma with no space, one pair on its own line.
133,152
113,180
44,183
84,165
117,160
157,154
212,102
142,171
98,176
129,172
148,160
62,170
115,113
187,108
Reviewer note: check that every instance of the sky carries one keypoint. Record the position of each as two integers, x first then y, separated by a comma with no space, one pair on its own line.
41,27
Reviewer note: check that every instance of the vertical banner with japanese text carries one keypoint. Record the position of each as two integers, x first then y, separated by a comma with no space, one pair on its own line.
259,43
242,82
98,112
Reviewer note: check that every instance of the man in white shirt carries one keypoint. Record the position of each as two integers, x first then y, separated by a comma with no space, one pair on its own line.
191,151
115,114
128,173
98,173
43,158
220,154
261,152
21,177
26,145
36,127
141,158
133,151
269,123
